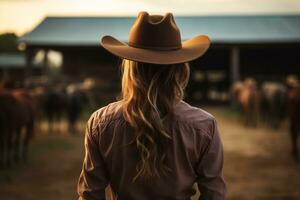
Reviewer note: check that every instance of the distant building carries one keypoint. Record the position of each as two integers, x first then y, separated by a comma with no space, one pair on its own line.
13,68
263,47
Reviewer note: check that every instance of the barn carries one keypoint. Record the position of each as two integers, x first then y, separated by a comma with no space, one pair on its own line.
13,69
263,47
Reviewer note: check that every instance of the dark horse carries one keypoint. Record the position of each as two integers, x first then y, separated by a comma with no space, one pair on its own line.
273,103
17,112
74,109
78,100
294,117
55,105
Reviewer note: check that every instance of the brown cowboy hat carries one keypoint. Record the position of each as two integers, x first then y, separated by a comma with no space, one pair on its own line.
156,39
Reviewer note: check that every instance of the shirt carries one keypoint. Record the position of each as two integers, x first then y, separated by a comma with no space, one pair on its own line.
195,156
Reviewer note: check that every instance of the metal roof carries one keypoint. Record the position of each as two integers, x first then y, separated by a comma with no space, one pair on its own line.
12,60
68,31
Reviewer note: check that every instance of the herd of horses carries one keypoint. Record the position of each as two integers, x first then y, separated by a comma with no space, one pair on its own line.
21,110
270,102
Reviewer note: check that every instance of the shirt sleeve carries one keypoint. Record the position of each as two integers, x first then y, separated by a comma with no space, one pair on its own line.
210,170
94,176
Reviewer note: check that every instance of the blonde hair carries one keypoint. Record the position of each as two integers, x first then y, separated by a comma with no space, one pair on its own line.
149,93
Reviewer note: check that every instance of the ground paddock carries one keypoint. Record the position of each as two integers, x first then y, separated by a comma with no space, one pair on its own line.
258,165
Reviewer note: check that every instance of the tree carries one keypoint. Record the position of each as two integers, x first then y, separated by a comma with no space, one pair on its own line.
8,42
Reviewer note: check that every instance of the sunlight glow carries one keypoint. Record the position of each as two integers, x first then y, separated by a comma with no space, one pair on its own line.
22,15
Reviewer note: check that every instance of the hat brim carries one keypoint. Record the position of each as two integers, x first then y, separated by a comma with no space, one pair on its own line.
191,50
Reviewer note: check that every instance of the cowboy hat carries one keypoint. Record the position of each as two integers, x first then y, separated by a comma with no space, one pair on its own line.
156,39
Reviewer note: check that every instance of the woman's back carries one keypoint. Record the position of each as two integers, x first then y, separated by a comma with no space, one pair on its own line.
194,155
151,144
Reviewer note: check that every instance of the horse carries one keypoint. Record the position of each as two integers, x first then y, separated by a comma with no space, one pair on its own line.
294,119
273,103
248,99
55,103
235,92
38,94
79,97
17,110
7,113
75,104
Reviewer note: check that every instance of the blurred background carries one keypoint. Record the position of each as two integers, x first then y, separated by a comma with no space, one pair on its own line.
54,74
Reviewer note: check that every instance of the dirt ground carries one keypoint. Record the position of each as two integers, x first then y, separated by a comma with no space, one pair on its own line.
258,165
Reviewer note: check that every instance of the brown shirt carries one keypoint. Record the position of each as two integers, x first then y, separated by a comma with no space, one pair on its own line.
195,156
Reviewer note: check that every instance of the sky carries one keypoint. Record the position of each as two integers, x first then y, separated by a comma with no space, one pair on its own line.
21,16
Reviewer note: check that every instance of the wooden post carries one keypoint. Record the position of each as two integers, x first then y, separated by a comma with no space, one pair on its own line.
29,57
45,63
234,72
235,64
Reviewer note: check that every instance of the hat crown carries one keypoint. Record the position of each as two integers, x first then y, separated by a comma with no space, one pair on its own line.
155,32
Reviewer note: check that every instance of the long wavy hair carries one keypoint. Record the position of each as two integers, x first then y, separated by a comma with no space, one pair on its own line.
149,93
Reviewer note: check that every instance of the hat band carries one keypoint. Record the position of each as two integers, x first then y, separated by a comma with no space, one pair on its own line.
160,48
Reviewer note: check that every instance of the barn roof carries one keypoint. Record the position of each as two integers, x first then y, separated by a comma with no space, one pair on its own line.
12,60
87,31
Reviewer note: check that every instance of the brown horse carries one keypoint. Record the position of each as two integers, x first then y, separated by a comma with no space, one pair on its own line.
294,118
17,110
236,88
248,99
